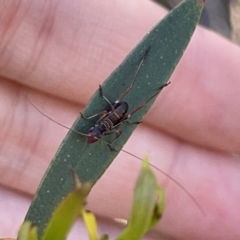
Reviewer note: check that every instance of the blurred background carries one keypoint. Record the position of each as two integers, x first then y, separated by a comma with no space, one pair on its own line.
222,16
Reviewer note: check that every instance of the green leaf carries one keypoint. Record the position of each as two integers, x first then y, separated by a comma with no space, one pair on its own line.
148,205
167,42
66,213
28,231
90,222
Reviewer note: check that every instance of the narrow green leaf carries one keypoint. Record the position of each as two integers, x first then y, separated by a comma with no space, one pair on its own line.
167,42
90,222
148,205
66,213
28,231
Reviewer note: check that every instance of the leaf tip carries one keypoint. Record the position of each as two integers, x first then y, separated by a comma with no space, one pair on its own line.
202,2
145,164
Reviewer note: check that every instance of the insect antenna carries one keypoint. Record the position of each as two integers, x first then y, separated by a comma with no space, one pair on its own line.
158,169
83,134
173,180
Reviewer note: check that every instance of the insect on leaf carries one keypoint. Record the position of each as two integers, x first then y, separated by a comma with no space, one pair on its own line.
167,42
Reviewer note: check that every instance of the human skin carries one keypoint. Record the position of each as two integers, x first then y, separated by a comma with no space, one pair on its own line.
59,52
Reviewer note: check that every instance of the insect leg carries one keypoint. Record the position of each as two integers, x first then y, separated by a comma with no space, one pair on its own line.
118,132
143,104
102,95
134,78
103,113
122,96
95,115
83,134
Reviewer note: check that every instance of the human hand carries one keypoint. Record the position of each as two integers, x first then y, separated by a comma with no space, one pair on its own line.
59,53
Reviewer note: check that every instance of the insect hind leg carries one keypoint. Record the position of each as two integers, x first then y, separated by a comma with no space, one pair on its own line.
134,78
102,113
128,89
105,98
118,132
95,115
144,103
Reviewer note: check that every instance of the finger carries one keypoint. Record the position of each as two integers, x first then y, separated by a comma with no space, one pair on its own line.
62,50
210,177
13,209
28,139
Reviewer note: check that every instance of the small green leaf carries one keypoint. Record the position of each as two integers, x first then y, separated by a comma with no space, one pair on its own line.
28,231
66,213
90,222
148,205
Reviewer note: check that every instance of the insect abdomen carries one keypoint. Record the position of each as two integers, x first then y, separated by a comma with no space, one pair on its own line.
115,117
